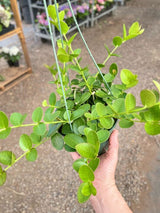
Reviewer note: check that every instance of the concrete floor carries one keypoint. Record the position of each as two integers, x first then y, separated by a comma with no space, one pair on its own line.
49,185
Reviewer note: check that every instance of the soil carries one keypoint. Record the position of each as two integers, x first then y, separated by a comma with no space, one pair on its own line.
50,184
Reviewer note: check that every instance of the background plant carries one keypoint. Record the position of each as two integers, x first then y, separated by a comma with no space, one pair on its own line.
5,17
94,102
10,54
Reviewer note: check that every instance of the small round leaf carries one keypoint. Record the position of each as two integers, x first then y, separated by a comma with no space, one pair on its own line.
7,157
57,141
86,173
25,142
32,155
37,114
3,120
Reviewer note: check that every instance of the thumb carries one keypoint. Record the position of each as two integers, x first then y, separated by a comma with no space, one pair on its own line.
74,155
112,153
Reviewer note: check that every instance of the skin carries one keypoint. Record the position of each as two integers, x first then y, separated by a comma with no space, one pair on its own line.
108,198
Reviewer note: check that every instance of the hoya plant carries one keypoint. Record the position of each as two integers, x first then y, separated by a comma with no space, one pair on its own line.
81,115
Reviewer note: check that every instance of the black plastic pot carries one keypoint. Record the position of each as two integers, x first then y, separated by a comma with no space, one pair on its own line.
13,64
7,29
24,5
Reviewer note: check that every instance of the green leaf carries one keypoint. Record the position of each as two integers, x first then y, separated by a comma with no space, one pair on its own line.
52,99
109,77
61,15
77,52
40,129
49,117
103,135
81,129
135,29
32,155
119,105
2,177
53,129
76,124
37,114
128,78
72,140
117,41
93,189
77,114
71,39
92,138
157,85
101,109
108,50
101,94
5,133
90,81
68,148
100,65
7,157
130,102
124,31
156,94
148,98
74,68
25,142
3,120
152,114
36,139
85,96
65,115
86,150
82,198
107,123
78,163
93,164
64,27
63,55
86,190
52,11
17,119
152,128
57,141
86,173
124,123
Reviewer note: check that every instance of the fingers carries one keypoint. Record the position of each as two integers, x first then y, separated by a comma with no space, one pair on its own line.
114,144
74,155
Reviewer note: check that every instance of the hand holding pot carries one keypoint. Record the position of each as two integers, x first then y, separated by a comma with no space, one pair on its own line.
108,199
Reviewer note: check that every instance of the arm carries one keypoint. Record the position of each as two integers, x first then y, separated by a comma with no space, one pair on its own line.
108,198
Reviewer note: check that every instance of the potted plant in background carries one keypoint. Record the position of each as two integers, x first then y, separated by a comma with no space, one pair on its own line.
83,120
11,55
5,17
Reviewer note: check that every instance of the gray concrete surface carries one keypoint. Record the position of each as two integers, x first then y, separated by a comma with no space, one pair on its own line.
49,185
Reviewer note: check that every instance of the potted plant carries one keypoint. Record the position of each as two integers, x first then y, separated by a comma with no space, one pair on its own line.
82,12
11,55
5,17
83,120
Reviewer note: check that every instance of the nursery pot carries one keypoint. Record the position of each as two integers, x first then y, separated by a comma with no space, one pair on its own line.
13,64
7,29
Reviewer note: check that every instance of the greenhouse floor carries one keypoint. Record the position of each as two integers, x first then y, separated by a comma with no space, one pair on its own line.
49,185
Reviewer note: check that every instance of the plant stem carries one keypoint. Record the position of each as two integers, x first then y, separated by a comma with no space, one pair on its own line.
24,155
78,66
105,61
34,124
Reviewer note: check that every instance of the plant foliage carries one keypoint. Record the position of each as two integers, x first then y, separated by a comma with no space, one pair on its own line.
93,109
